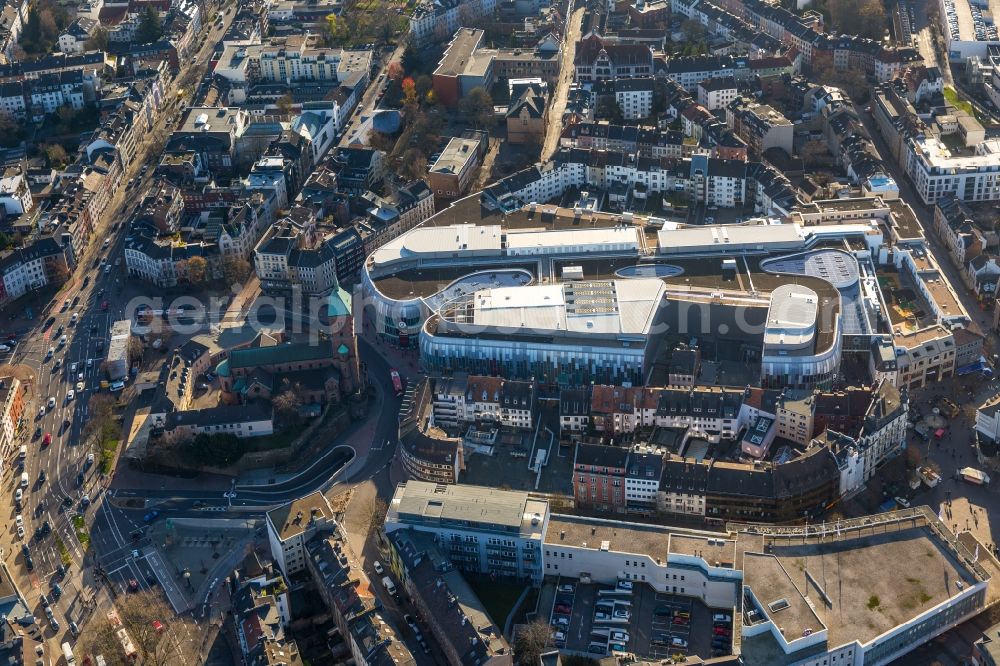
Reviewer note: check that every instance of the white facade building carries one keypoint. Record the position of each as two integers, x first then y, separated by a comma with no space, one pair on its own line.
482,530
289,527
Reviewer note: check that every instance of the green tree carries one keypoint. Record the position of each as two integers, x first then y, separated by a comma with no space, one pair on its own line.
394,70
150,26
31,35
48,26
218,450
67,117
423,85
337,30
11,133
413,59
865,18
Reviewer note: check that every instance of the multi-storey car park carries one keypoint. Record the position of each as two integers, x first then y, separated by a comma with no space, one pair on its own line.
568,295
813,595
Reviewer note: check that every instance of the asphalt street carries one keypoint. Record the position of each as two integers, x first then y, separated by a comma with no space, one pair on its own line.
60,390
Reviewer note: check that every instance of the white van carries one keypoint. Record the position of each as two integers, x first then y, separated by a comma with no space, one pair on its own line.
23,453
24,479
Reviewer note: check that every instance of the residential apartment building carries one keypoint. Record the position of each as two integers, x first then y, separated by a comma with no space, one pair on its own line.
634,97
683,486
74,38
761,126
690,71
291,526
599,477
456,616
717,92
344,587
956,227
396,213
506,540
290,256
437,21
13,399
426,449
964,167
261,614
33,267
643,472
15,195
598,59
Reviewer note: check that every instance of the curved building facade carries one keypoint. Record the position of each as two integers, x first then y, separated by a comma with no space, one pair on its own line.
794,354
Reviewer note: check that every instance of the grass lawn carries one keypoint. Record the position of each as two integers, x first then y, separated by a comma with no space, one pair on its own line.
951,96
63,552
109,447
80,526
498,598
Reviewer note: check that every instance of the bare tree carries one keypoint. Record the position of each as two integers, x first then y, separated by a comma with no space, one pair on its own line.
197,270
134,350
59,272
155,634
287,403
376,514
235,269
412,164
100,408
99,40
286,104
530,641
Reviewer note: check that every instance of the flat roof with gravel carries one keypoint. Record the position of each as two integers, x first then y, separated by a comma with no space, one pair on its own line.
875,577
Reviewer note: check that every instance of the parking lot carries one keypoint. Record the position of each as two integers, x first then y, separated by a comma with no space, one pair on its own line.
600,619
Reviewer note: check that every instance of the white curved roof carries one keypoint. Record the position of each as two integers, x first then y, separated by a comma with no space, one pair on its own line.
791,317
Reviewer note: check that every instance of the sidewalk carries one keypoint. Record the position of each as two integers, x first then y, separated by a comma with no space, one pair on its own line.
407,361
